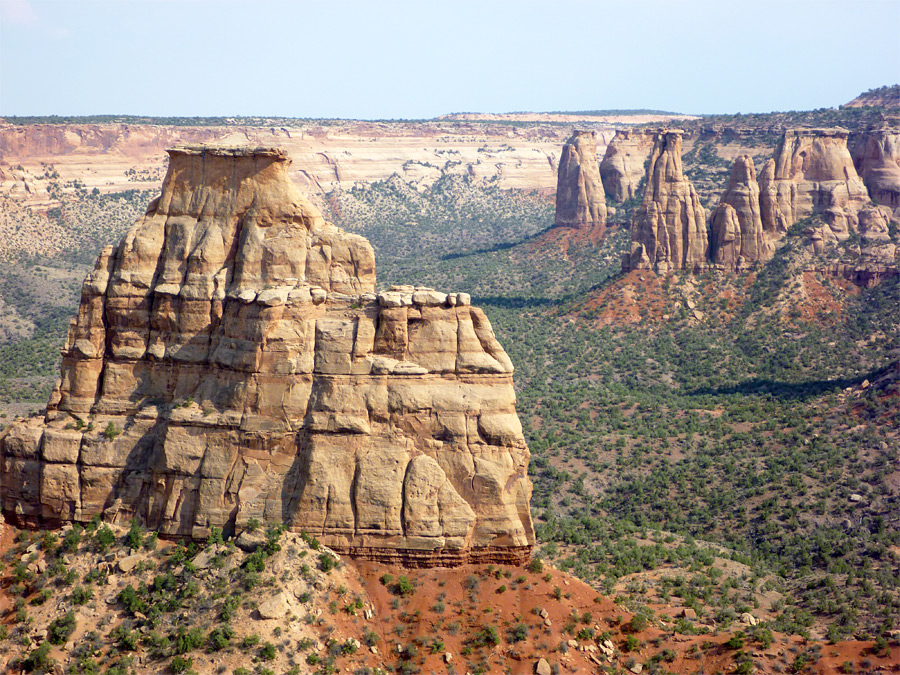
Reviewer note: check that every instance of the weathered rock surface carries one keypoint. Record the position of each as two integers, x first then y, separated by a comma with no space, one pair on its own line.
669,228
580,200
231,361
877,160
812,174
623,164
737,236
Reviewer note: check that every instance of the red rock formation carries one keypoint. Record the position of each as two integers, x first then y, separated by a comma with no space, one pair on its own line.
669,229
737,238
580,200
623,164
813,174
231,361
877,160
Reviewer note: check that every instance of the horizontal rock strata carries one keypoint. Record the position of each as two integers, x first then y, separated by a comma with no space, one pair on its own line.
231,360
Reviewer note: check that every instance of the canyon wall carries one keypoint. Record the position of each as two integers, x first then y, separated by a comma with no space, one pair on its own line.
812,173
231,360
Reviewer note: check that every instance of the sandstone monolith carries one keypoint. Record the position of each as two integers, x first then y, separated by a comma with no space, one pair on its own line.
580,200
669,229
812,173
232,361
877,160
737,237
623,163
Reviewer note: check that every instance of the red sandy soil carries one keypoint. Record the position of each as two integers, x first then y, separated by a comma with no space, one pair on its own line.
568,240
821,300
621,301
456,605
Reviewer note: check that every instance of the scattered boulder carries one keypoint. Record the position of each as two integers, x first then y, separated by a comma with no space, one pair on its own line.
250,540
541,667
128,563
274,608
749,620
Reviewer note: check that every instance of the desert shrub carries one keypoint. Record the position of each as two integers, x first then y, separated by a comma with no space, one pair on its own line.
39,661
404,587
519,633
188,640
180,664
81,595
327,562
61,628
486,637
638,623
104,539
219,638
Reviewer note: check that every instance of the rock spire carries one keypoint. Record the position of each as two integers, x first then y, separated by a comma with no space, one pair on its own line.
580,200
669,229
737,237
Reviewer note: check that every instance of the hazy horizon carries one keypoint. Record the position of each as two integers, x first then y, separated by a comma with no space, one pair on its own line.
405,60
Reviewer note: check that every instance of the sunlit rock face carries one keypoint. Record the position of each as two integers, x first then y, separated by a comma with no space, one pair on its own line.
580,201
669,229
623,164
738,238
231,360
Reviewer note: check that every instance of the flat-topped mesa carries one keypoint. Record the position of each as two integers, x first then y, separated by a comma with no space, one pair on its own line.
231,361
623,163
737,237
669,229
877,160
812,174
580,200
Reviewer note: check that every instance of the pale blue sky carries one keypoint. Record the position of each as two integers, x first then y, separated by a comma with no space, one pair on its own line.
411,59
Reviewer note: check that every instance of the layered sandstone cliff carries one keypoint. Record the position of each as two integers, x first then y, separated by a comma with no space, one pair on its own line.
877,160
737,236
812,173
231,360
669,229
580,201
623,164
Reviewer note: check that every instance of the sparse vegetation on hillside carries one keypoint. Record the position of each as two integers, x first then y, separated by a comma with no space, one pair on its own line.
710,441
